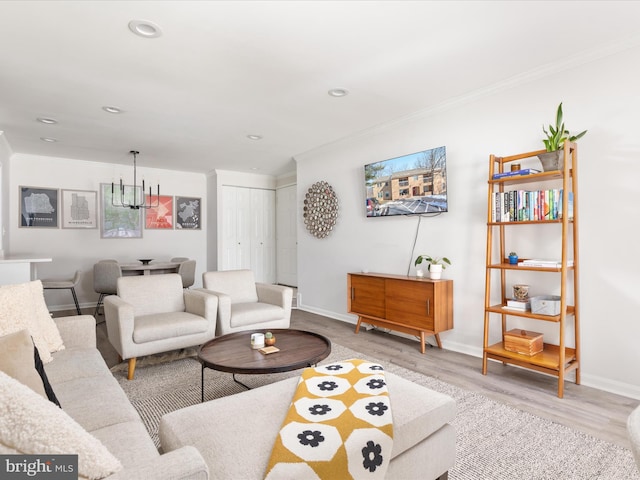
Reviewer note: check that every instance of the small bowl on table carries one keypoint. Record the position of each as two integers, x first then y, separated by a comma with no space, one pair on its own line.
145,261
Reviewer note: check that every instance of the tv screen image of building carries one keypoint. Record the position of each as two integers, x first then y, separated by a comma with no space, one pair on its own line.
412,184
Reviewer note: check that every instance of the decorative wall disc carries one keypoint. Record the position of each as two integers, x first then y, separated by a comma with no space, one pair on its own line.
320,209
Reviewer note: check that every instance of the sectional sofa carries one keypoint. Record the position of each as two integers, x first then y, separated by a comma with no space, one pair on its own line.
227,438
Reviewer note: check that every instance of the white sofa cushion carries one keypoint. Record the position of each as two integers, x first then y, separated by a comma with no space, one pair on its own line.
22,307
31,424
46,324
17,360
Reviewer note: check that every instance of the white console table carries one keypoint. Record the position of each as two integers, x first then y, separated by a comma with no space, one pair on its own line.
19,268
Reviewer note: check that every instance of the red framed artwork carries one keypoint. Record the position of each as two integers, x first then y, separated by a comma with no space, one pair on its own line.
160,217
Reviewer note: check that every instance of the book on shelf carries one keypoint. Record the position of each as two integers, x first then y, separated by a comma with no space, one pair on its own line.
524,304
535,262
516,309
515,173
519,305
530,205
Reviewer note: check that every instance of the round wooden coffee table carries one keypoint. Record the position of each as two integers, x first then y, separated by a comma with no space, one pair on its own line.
232,353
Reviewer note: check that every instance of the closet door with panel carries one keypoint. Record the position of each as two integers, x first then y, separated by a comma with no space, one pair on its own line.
263,235
248,232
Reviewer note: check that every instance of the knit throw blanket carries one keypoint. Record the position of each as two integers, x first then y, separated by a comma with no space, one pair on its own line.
338,426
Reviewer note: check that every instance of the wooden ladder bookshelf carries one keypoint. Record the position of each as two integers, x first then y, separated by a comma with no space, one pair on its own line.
555,359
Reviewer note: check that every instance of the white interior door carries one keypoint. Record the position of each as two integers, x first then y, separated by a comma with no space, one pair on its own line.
286,236
263,235
236,234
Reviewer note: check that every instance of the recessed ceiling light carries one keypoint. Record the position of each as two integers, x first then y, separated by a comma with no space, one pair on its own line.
48,139
48,121
111,109
338,92
254,137
145,28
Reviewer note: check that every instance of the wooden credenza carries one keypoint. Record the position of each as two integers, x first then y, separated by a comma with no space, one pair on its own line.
413,305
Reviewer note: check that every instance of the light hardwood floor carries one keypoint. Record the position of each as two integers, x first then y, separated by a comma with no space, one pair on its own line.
595,412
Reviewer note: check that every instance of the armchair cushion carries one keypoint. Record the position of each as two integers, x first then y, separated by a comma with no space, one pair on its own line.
151,294
240,285
159,326
248,314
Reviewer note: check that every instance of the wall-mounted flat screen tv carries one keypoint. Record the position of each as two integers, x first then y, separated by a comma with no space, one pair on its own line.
413,184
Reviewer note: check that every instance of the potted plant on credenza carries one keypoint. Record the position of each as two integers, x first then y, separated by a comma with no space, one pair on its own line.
435,265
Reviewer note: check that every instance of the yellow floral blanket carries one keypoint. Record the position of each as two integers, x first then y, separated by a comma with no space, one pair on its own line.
339,425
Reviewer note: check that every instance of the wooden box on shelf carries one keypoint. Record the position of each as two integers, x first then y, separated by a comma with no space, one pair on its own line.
524,342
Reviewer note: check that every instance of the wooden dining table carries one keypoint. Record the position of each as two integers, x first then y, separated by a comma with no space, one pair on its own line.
153,267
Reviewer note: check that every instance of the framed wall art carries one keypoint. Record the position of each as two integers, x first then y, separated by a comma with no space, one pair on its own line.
188,213
117,221
38,207
79,209
160,217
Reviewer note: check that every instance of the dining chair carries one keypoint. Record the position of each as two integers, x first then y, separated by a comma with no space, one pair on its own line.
105,280
187,270
56,284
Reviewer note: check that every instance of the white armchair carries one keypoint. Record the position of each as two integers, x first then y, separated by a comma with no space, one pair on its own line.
244,304
153,314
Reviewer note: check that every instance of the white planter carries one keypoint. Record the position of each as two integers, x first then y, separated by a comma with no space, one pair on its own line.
435,271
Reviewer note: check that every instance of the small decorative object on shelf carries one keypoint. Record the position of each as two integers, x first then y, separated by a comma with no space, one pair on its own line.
269,339
546,305
513,258
523,341
435,265
521,292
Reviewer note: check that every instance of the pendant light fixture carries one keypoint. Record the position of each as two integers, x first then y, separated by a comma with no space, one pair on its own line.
137,203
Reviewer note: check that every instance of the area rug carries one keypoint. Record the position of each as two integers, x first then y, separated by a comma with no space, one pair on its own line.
494,441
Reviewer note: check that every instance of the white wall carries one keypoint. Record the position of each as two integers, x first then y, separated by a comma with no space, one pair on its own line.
73,249
600,95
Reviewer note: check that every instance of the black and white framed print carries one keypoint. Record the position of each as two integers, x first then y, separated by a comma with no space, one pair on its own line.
188,213
79,209
38,207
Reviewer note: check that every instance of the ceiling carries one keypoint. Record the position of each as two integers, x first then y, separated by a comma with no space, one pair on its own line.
223,70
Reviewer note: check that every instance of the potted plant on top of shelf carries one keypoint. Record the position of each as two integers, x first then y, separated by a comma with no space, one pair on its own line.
554,143
513,258
435,265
